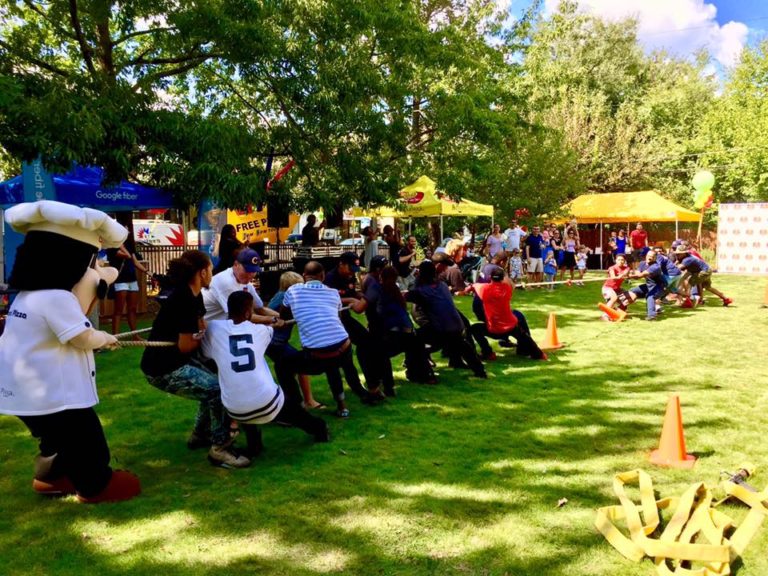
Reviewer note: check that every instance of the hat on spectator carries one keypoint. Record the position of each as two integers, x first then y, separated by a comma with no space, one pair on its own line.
250,260
377,263
352,260
497,274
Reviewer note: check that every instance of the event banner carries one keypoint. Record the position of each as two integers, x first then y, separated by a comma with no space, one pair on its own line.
742,238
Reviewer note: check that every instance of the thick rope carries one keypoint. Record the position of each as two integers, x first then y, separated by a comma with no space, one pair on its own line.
144,343
132,333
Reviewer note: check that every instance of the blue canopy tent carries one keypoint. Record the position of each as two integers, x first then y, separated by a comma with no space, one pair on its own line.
84,186
81,186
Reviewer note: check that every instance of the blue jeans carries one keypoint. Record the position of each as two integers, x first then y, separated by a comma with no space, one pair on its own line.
196,382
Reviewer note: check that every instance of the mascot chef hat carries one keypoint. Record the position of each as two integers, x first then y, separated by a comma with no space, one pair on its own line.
83,224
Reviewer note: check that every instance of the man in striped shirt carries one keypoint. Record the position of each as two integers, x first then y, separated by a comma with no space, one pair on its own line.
326,344
248,391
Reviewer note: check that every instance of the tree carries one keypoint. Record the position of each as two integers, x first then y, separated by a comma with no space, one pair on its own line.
733,138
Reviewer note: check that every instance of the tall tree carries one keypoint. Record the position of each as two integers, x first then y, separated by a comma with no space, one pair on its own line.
733,139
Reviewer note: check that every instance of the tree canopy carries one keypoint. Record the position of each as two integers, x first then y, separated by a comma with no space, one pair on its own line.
203,98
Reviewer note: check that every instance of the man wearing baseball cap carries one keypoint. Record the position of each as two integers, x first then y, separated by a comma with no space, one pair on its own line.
239,277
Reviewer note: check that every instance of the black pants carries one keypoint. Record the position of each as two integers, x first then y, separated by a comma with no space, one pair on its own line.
365,349
456,346
417,366
306,361
525,344
479,311
72,444
291,413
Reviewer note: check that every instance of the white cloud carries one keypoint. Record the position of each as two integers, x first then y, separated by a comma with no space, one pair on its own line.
680,26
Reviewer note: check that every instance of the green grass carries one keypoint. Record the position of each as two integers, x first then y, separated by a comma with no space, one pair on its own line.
460,478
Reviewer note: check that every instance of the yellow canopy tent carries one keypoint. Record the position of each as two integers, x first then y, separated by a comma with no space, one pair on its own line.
621,207
613,207
421,199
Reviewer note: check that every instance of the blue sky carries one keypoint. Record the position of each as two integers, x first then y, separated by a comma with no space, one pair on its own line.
723,27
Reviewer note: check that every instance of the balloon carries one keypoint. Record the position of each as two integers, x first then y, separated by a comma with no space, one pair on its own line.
702,199
703,181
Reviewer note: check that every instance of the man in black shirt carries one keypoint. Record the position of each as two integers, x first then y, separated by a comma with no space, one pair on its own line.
310,235
342,278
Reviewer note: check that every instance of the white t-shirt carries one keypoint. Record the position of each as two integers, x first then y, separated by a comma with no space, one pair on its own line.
222,285
41,372
248,391
514,235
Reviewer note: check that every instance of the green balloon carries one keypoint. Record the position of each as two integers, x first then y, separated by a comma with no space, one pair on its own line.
703,181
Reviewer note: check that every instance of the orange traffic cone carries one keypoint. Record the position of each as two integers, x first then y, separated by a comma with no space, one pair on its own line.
551,341
671,452
616,315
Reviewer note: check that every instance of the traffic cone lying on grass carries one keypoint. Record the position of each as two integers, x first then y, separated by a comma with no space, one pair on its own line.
551,342
614,315
671,452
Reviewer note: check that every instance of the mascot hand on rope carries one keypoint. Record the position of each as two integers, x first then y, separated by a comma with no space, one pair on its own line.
46,350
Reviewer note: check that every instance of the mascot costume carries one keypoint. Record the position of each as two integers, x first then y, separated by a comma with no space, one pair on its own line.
46,350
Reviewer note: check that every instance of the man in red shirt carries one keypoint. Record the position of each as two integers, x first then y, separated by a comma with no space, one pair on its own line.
500,322
638,238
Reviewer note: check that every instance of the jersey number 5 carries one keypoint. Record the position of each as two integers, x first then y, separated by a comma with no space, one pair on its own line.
245,352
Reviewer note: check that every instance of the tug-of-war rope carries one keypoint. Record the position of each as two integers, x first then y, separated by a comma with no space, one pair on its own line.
161,344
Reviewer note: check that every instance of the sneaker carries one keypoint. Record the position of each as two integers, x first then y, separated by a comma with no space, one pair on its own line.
727,301
196,441
323,436
490,357
481,374
224,457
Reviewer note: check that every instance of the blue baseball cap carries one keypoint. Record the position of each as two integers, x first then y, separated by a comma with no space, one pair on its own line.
250,260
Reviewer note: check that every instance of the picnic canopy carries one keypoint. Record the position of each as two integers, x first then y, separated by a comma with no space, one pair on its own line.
421,199
83,186
620,207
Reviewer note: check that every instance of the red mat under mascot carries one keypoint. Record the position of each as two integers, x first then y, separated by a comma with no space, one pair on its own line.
46,350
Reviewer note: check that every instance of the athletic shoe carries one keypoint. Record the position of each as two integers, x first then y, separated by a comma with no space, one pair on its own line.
727,301
224,457
196,441
490,357
324,435
481,373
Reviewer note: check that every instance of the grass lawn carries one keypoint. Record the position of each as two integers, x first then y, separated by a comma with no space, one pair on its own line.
460,478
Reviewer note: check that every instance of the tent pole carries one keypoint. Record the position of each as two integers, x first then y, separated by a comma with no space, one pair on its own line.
442,235
601,245
677,233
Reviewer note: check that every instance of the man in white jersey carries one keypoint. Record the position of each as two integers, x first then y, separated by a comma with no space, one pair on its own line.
238,278
248,391
326,344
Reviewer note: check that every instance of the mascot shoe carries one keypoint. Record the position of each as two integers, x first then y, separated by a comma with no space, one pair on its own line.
123,485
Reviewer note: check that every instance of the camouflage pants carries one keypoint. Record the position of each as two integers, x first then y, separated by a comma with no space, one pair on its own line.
196,382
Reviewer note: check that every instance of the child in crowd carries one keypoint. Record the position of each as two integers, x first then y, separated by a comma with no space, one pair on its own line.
550,268
581,262
248,391
516,266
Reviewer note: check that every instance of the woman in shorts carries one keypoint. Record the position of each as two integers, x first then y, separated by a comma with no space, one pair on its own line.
126,287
